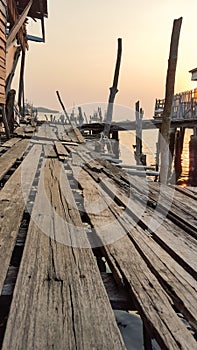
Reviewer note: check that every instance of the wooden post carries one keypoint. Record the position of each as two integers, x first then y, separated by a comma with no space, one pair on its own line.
115,143
171,150
6,126
21,85
11,75
139,115
178,152
113,91
64,109
81,119
169,94
193,161
10,109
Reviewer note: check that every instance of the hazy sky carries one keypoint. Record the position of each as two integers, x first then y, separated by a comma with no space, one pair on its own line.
79,55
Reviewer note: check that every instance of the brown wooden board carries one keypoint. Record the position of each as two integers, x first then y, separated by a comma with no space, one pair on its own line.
161,228
9,158
59,299
153,303
13,198
11,142
61,150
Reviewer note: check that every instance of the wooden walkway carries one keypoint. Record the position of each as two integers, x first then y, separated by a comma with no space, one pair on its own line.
63,208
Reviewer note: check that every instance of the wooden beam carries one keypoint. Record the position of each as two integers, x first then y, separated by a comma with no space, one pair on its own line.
113,90
21,84
18,24
64,109
169,94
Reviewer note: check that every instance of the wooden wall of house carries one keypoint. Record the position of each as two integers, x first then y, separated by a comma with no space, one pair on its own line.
2,50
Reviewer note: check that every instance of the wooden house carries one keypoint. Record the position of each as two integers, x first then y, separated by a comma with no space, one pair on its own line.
194,73
13,44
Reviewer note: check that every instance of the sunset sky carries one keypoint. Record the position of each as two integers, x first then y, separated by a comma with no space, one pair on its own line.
79,55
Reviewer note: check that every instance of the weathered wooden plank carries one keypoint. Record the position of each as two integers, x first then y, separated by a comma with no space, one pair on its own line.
78,135
61,150
61,131
162,229
63,303
166,200
183,287
153,304
13,198
10,157
45,131
11,142
186,191
49,151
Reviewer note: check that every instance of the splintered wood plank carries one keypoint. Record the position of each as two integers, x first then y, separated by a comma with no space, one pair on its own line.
78,135
13,197
172,238
9,158
49,151
152,301
46,131
11,142
72,135
61,132
61,150
178,283
169,201
62,303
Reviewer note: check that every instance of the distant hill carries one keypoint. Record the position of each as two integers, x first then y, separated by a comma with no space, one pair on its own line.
46,110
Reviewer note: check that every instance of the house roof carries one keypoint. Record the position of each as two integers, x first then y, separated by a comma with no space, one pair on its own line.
193,70
38,9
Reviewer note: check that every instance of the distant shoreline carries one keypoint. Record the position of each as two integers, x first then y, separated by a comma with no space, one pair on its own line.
45,110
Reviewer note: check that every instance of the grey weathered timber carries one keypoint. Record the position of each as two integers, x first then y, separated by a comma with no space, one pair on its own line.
10,109
62,303
113,90
10,157
169,94
13,197
61,150
11,142
151,299
63,107
164,230
79,135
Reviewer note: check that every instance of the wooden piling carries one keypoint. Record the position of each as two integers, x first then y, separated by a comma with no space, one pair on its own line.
10,109
169,94
113,90
178,153
193,161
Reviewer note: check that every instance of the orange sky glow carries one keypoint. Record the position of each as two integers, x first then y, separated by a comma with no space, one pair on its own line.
79,55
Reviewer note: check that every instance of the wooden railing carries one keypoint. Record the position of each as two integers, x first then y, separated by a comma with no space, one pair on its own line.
184,106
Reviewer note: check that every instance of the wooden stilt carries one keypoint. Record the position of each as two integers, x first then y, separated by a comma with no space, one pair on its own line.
11,75
193,161
113,90
166,117
10,109
171,150
6,126
21,84
178,152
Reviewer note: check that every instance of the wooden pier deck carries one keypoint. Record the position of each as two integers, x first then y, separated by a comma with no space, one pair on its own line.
63,208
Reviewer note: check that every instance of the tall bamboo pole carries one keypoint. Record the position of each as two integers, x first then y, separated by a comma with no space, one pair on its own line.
113,90
169,93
